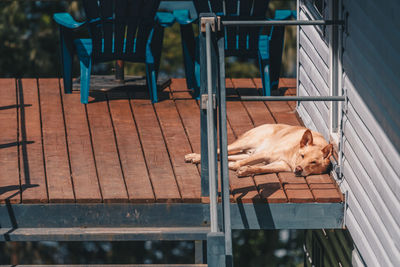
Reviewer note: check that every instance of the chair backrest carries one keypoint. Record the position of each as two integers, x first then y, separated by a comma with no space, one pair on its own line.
238,40
120,28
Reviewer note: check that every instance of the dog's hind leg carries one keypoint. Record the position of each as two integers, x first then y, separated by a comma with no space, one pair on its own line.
277,166
238,157
250,160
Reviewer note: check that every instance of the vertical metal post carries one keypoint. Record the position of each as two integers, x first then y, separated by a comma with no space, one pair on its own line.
334,59
223,148
211,137
203,119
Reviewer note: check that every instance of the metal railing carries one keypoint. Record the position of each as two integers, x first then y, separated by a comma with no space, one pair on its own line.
213,102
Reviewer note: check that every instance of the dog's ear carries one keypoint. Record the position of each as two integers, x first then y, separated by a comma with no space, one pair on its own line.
307,139
327,151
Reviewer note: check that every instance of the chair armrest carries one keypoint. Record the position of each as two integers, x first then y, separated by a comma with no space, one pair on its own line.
165,19
65,20
182,16
284,14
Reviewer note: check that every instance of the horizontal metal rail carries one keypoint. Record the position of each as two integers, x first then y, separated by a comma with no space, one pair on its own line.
287,98
255,23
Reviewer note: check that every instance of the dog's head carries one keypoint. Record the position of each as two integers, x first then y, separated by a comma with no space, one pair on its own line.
312,159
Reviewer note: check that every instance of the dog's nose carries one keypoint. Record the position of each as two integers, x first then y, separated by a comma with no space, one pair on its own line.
298,170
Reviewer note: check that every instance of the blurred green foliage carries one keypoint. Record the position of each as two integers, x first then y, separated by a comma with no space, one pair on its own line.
30,43
251,249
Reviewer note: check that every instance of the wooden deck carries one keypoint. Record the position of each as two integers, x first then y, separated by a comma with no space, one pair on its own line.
120,148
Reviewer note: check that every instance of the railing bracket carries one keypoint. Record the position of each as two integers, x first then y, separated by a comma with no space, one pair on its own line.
213,21
204,99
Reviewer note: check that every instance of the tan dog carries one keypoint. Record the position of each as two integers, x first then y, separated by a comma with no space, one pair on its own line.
273,148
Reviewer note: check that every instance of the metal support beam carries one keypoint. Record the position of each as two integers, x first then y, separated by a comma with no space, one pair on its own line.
223,141
257,23
243,215
288,98
212,171
216,249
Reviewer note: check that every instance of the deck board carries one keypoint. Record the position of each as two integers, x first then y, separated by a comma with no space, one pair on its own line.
9,176
109,171
122,148
31,147
158,162
130,151
58,173
187,175
83,169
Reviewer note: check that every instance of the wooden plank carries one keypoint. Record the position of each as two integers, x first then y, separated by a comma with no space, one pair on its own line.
84,175
244,188
33,178
257,110
156,155
178,146
179,89
108,165
270,188
130,150
295,187
58,173
282,112
10,190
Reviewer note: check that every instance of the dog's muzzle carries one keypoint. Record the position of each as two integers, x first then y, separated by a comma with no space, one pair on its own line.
298,171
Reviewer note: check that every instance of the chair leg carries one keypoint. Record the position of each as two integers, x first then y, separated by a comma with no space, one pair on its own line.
189,54
66,58
197,71
151,77
153,58
86,67
265,77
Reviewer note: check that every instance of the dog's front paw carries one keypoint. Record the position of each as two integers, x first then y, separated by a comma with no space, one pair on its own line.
193,158
233,166
244,171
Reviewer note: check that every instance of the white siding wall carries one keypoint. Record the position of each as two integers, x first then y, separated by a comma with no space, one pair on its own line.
371,125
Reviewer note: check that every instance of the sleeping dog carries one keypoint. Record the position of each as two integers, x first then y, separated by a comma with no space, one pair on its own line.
271,148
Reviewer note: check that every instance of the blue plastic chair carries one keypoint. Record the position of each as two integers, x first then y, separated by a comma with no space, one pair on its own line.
127,30
251,42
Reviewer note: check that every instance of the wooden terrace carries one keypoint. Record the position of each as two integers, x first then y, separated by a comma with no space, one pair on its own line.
121,149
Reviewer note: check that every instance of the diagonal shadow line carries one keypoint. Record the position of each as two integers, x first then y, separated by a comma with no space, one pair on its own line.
7,145
13,107
4,189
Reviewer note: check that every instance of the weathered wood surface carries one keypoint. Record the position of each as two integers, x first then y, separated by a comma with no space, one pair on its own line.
121,148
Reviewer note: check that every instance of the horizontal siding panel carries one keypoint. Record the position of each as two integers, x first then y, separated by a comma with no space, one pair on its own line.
314,76
365,191
363,75
316,117
311,87
369,220
381,99
372,131
305,117
315,38
367,149
383,39
316,59
384,76
361,241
